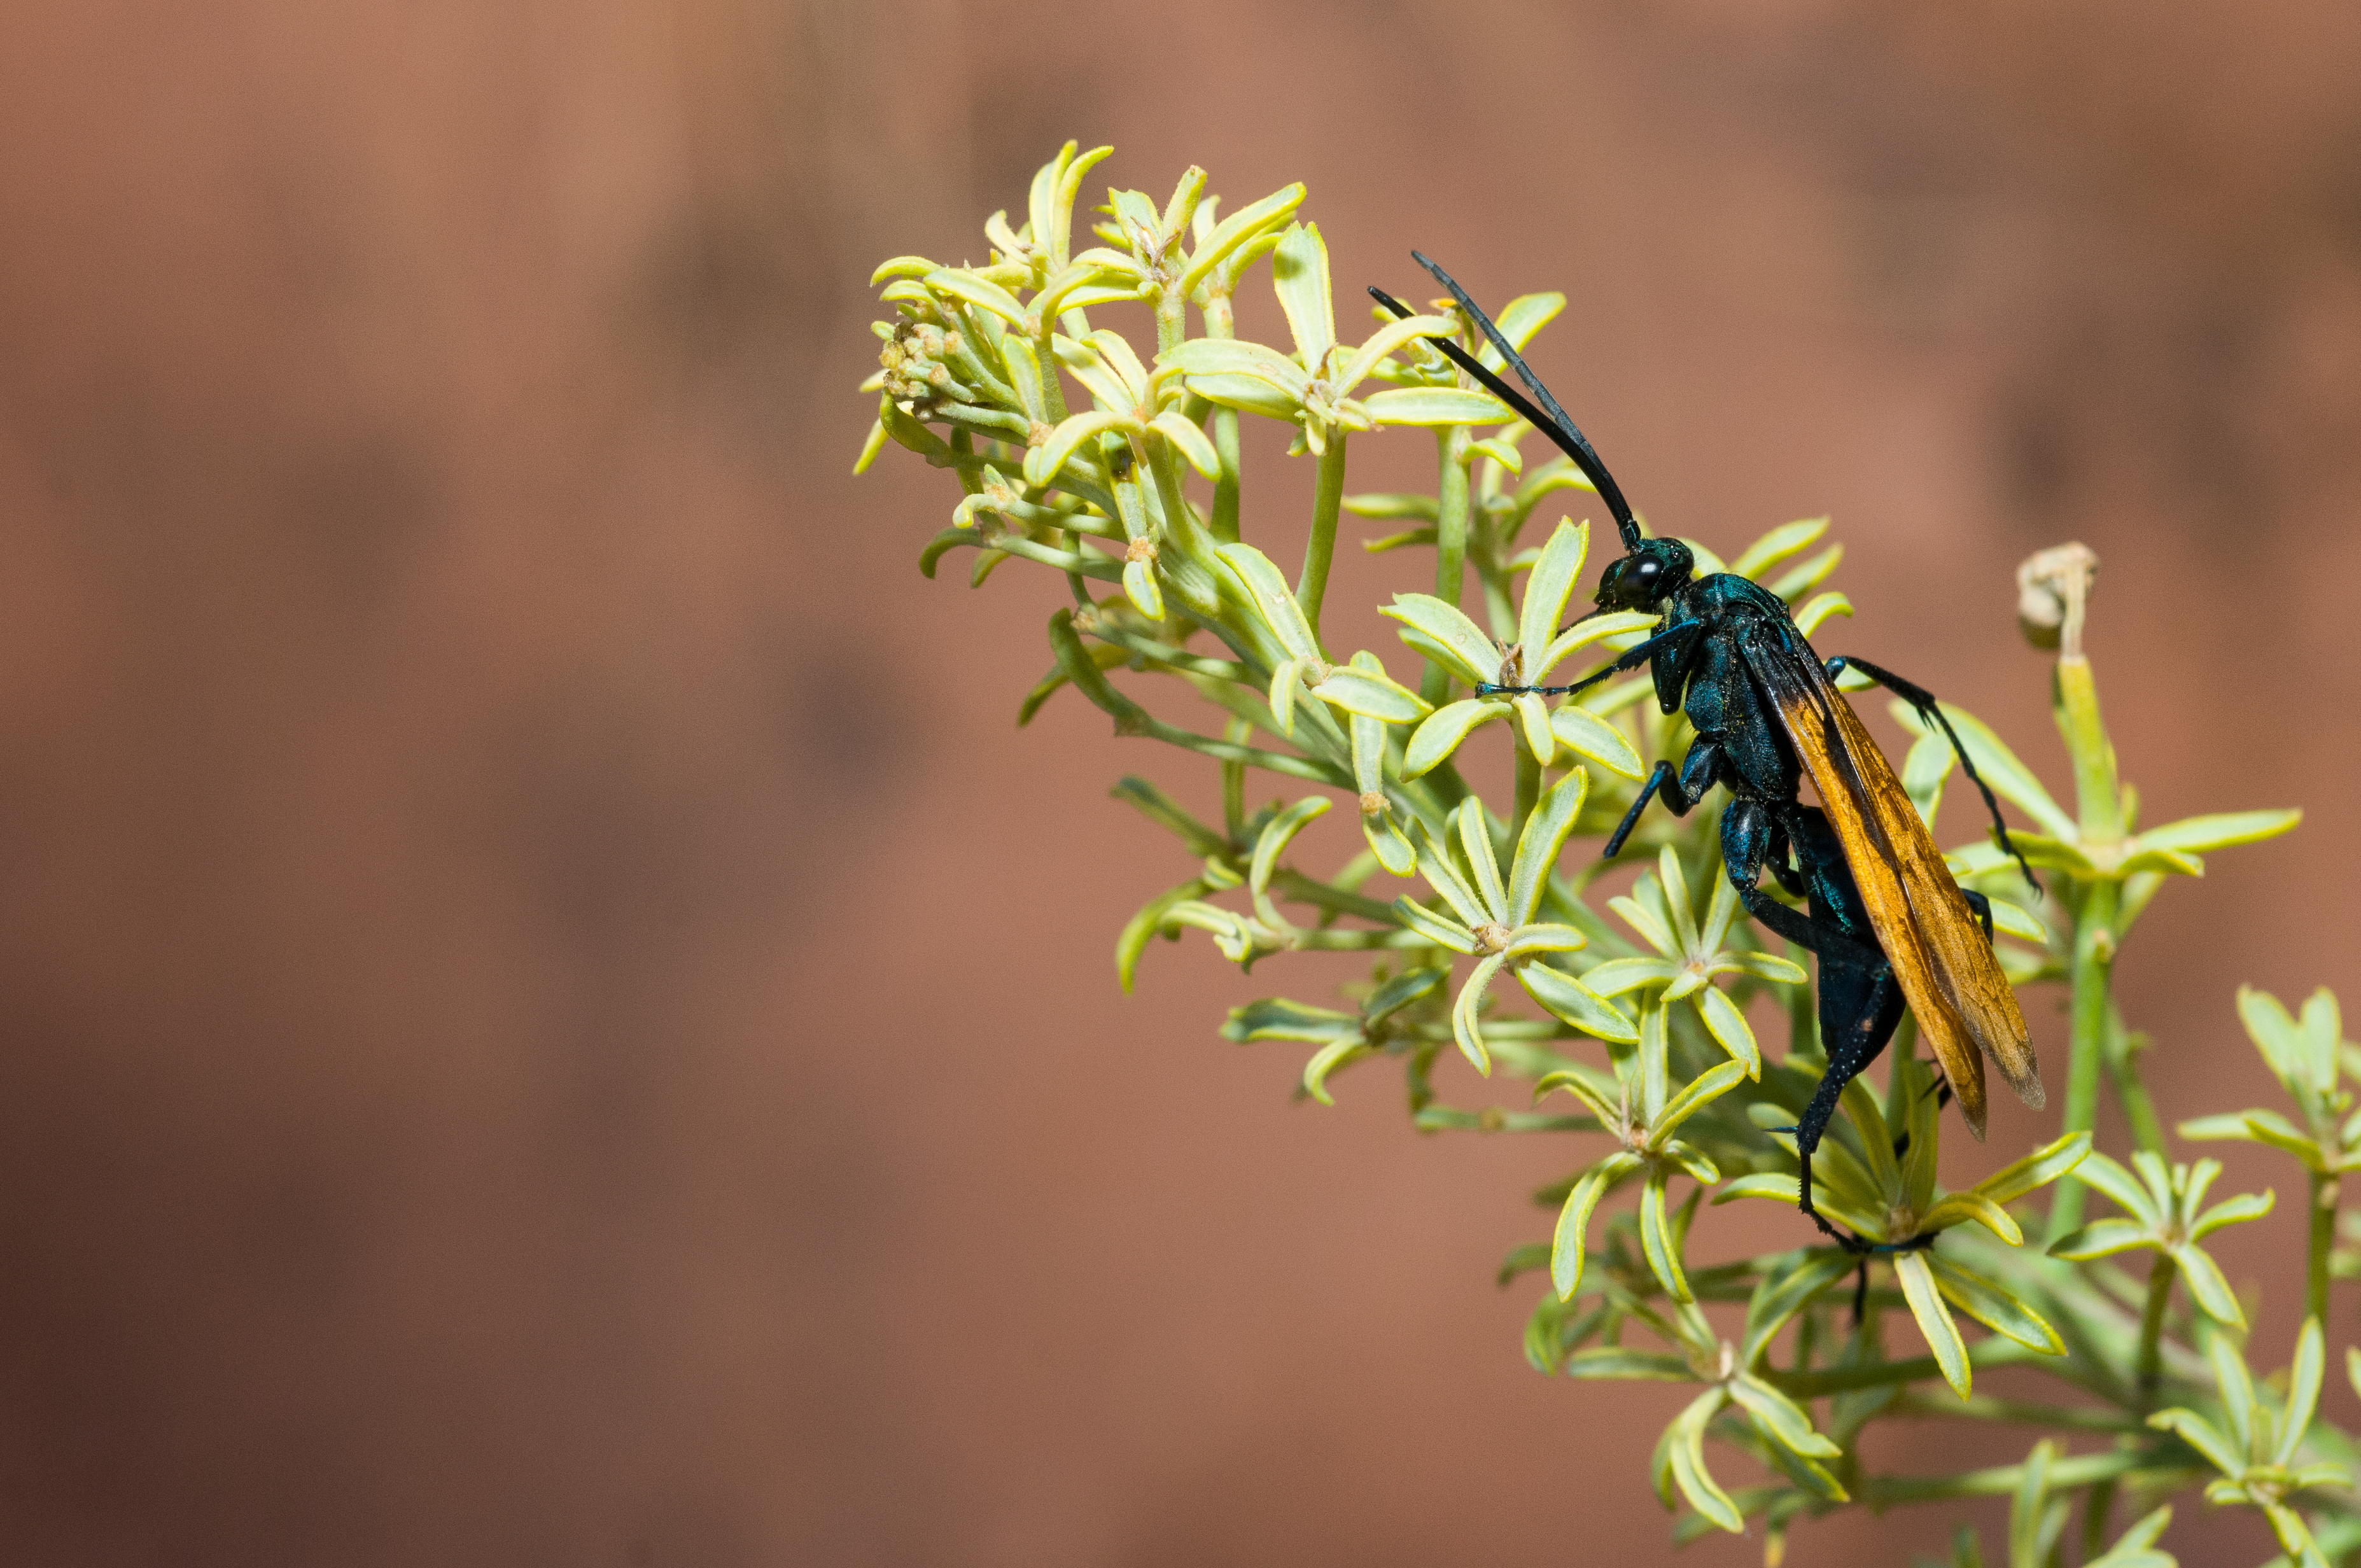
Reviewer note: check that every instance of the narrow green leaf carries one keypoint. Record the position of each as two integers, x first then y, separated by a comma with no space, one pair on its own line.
1781,1296
1236,230
1476,841
1571,1002
2036,1171
2201,1129
1816,613
1728,1026
1617,976
1285,682
1550,585
1140,927
1299,270
2196,835
1779,1186
2125,1189
1043,462
1694,1095
2237,1387
1688,1463
1435,927
1533,726
1276,835
1464,1027
1444,729
1436,407
1278,1018
1273,598
2016,921
2204,1436
1877,1140
1170,814
2103,1238
1189,441
1656,1239
1327,1059
1957,1208
1574,1221
1998,766
2206,1286
1251,394
1780,1418
2027,1513
2231,1211
1386,340
1588,630
1519,320
1545,936
2303,1391
1918,1288
1614,1361
1538,846
1992,1305
1474,658
1140,586
1372,695
1585,734
962,284
1787,539
1595,1089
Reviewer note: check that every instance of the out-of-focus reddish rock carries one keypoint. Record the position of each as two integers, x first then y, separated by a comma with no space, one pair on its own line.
486,1076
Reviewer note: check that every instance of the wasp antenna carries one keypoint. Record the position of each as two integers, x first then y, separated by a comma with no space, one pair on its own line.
1562,430
1557,429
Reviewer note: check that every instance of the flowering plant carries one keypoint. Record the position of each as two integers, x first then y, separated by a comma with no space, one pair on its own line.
1116,467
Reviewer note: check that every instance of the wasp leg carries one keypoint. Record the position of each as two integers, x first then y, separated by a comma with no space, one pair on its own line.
1866,1009
1923,701
1698,771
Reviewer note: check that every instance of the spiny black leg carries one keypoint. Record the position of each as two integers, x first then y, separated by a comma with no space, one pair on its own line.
1632,658
1660,777
1923,701
1860,1294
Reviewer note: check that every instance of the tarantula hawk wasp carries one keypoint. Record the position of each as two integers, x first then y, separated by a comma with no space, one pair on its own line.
1887,920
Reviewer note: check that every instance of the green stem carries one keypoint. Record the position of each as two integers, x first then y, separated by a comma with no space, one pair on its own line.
2082,1470
1327,500
1529,790
1983,1354
2123,1071
1171,321
2098,799
2094,957
2325,1194
1223,524
1233,779
2021,1412
2148,1362
1451,510
2097,1505
1230,751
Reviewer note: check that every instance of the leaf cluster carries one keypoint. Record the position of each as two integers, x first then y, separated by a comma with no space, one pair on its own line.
1114,467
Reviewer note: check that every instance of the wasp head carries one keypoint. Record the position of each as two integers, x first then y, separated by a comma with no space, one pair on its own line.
1654,568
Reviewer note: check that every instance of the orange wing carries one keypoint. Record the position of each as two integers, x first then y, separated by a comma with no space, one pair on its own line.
1937,946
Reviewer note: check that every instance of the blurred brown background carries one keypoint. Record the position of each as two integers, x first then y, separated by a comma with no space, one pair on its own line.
490,1072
